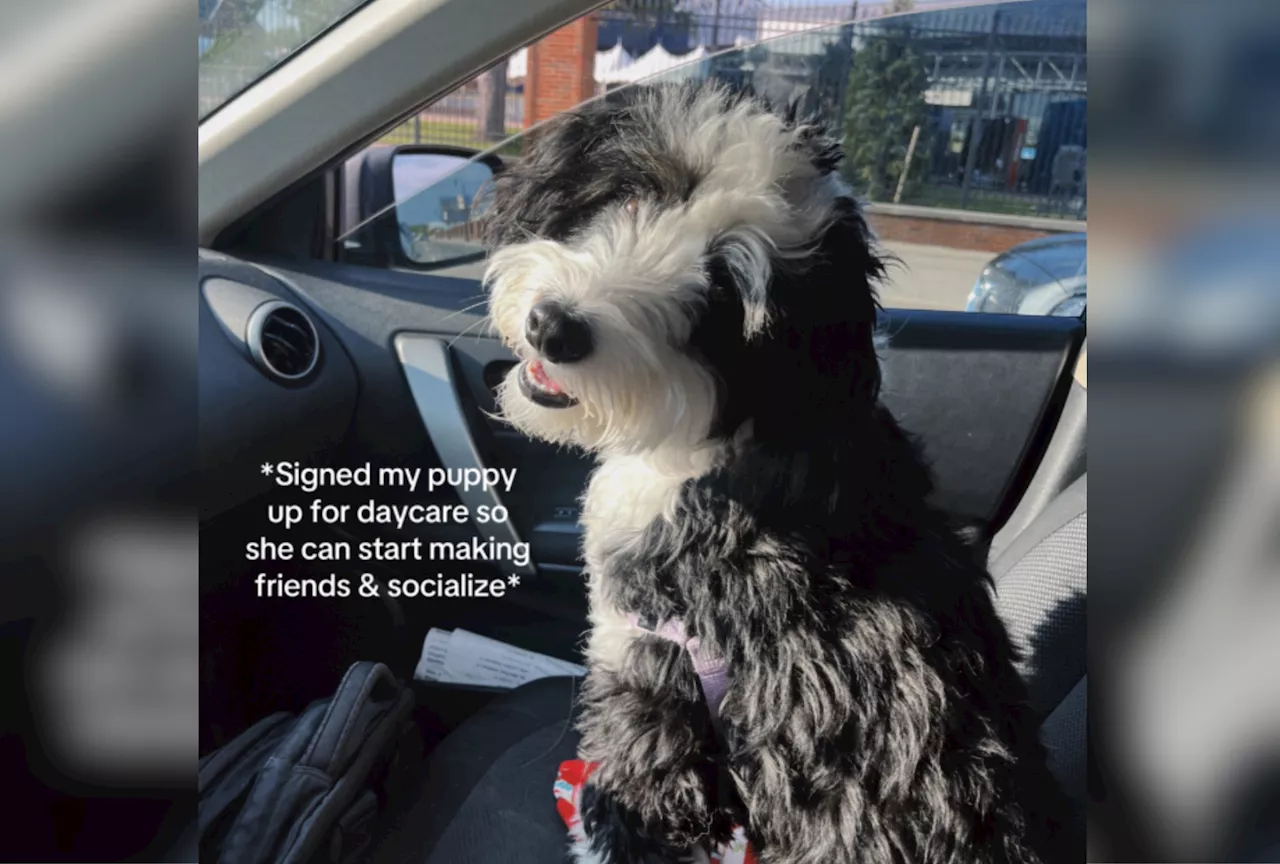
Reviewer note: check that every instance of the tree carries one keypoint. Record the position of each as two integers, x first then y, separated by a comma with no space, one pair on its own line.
829,73
885,102
898,6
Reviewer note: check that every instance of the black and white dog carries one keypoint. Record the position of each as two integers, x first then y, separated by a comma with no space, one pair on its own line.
690,288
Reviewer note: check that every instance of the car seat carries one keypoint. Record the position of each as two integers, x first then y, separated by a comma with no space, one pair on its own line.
486,794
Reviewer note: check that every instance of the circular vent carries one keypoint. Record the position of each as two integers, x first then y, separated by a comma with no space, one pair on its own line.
283,340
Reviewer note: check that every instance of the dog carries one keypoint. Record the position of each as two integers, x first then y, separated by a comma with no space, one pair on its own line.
690,289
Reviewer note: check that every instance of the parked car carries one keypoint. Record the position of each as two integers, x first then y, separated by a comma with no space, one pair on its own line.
1039,277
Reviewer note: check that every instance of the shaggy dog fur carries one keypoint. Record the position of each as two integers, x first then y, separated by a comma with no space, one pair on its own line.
691,289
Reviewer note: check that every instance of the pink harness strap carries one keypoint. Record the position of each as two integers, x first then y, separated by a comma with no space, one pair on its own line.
712,671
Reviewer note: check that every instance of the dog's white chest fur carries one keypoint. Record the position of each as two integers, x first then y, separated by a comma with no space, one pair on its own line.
625,494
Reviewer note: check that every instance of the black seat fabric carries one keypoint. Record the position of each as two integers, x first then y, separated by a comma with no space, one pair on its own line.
487,798
1065,737
487,795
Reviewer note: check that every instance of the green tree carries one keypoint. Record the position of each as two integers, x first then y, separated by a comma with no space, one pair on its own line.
884,103
829,72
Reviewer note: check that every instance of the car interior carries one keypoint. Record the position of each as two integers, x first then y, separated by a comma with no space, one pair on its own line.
401,375
337,354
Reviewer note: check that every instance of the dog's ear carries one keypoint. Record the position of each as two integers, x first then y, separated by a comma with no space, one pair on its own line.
742,262
814,369
843,281
549,191
526,198
749,257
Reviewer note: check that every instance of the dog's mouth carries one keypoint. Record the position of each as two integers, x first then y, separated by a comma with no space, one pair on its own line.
541,389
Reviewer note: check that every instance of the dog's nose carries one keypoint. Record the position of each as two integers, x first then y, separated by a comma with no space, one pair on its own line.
555,334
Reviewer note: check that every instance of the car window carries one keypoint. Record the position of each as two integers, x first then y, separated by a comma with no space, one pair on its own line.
963,131
241,40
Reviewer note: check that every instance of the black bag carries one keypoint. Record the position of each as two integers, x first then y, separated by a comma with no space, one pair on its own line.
309,789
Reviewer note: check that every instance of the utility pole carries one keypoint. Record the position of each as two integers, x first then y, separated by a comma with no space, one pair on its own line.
491,99
976,125
715,28
906,164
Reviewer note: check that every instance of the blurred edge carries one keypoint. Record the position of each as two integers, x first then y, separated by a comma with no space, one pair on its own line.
97,388
98,578
1185,273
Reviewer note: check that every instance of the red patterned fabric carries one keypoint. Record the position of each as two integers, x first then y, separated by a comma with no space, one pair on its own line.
573,777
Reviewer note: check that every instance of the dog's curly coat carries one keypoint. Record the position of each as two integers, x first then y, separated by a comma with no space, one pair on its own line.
751,485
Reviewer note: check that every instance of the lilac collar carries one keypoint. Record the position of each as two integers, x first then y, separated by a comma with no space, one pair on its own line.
712,671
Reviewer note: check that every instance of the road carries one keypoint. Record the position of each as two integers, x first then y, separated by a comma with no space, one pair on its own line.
930,277
925,277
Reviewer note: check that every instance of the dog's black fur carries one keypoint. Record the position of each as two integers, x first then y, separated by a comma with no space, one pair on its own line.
874,712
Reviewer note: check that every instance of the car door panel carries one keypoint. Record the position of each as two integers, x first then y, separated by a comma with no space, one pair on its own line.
980,392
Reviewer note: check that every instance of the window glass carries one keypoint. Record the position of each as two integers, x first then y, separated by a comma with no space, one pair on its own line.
241,40
963,130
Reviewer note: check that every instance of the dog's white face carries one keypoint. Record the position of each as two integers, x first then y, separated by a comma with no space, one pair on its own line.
614,238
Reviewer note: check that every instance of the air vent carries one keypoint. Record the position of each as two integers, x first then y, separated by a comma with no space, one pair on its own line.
283,341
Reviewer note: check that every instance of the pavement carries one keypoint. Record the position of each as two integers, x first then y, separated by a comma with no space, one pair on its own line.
925,277
930,277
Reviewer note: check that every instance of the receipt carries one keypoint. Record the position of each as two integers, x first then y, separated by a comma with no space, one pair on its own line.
434,650
463,657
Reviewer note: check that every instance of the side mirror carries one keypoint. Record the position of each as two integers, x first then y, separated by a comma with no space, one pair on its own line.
416,206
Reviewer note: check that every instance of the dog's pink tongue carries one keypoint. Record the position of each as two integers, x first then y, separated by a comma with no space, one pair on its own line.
540,375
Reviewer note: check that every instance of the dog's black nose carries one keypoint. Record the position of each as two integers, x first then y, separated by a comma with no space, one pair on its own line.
557,335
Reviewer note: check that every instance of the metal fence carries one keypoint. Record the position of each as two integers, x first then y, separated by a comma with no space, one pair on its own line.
992,119
1000,98
455,119
1005,128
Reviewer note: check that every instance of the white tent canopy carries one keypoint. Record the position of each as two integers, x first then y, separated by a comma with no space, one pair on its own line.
616,66
608,63
518,65
660,60
612,62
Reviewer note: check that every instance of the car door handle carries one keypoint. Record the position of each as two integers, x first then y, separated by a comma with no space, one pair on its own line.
430,375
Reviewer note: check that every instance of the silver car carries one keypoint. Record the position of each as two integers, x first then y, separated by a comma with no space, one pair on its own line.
1039,277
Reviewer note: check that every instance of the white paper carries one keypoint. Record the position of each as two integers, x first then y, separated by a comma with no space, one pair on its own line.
462,657
434,650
